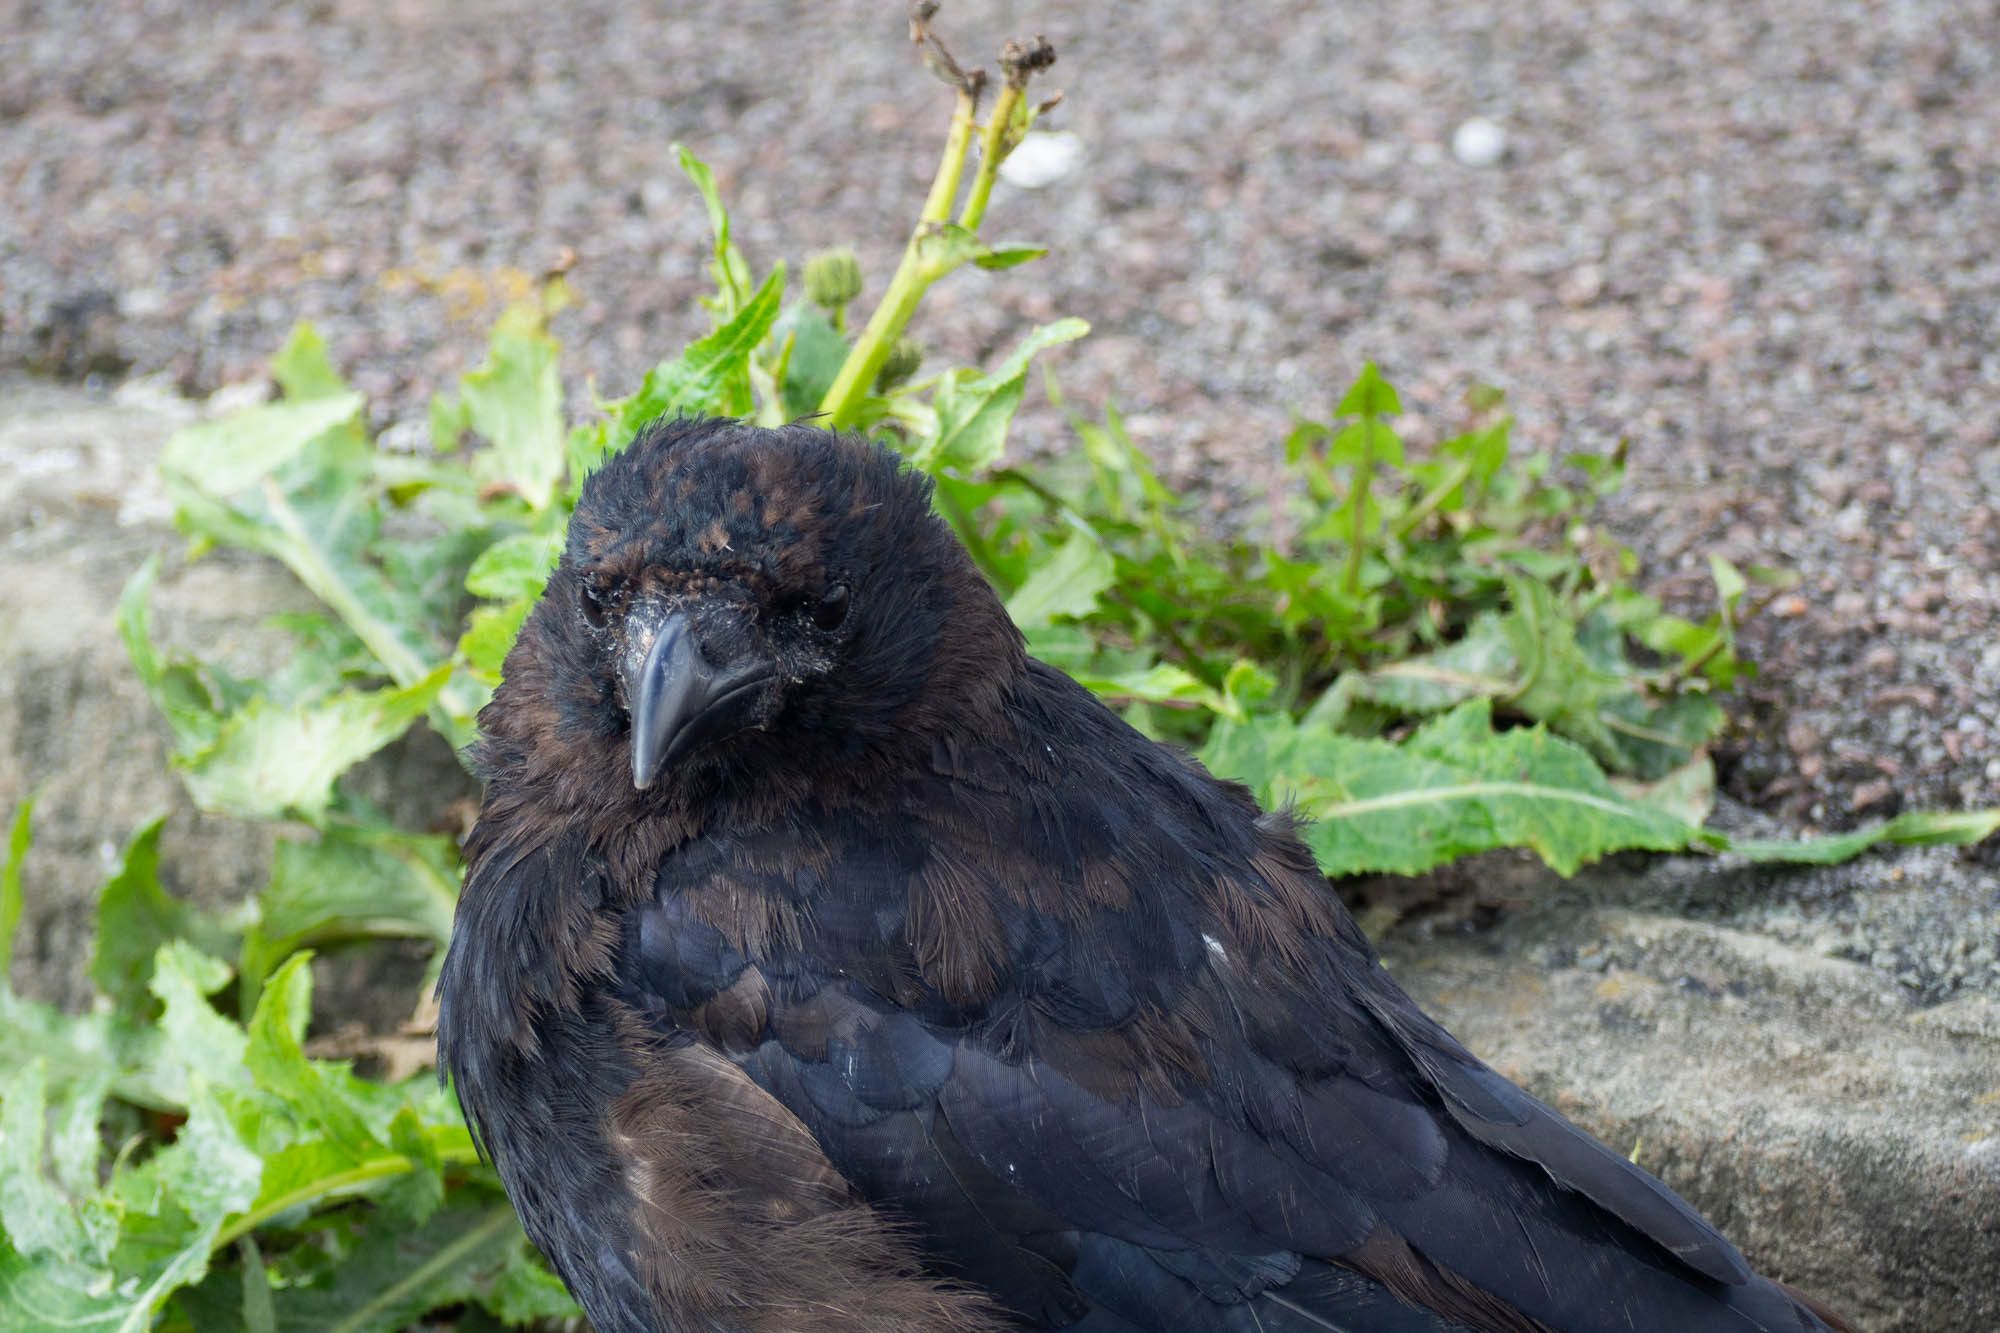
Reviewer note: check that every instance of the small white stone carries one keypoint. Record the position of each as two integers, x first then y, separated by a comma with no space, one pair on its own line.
237,397
405,437
142,302
155,393
1042,159
1479,142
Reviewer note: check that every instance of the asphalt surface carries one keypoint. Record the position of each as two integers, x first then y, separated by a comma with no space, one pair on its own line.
1754,240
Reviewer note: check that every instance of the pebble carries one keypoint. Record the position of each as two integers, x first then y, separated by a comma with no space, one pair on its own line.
1041,159
1479,142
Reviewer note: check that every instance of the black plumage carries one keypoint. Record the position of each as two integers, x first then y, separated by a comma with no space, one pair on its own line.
826,962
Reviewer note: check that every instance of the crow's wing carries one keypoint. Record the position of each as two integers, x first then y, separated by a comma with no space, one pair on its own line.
1096,1029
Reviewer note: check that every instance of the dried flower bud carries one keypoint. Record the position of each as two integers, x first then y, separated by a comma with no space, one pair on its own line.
1021,61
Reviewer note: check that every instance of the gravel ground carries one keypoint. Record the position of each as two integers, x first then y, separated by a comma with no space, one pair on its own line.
1756,240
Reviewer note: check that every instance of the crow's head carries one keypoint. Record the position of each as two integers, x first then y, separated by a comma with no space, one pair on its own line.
763,602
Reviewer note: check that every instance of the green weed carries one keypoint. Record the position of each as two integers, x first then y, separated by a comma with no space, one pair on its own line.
1442,656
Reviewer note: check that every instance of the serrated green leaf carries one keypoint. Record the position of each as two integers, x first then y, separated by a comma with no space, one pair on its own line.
135,916
1479,665
414,1197
318,509
307,1171
34,1215
817,352
490,632
1455,787
1370,396
1009,256
515,566
1246,685
514,400
973,411
395,1276
731,273
302,369
209,1173
351,883
260,1315
1576,678
208,1168
277,1061
199,1041
1068,583
1687,793
526,1291
271,761
709,378
1558,682
177,690
325,657
37,1296
1653,738
87,1049
242,451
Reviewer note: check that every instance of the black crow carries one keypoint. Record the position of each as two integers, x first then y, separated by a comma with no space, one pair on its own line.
826,962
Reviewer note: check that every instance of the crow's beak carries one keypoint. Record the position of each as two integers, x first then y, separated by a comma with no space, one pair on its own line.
677,697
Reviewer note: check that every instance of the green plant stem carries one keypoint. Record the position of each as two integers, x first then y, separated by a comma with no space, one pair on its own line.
944,185
1691,668
914,275
1016,477
1531,670
969,533
993,150
313,570
842,404
1197,665
1434,499
496,1223
1364,482
370,1171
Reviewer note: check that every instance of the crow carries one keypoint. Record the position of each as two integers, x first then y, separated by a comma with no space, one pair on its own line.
827,962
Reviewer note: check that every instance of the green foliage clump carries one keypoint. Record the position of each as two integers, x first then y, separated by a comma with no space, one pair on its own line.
1440,656
164,1165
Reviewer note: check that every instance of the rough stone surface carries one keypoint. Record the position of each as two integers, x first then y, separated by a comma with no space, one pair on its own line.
1840,1128
80,509
1850,1144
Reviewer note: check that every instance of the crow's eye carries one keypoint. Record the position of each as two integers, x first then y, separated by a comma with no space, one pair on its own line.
596,604
831,608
